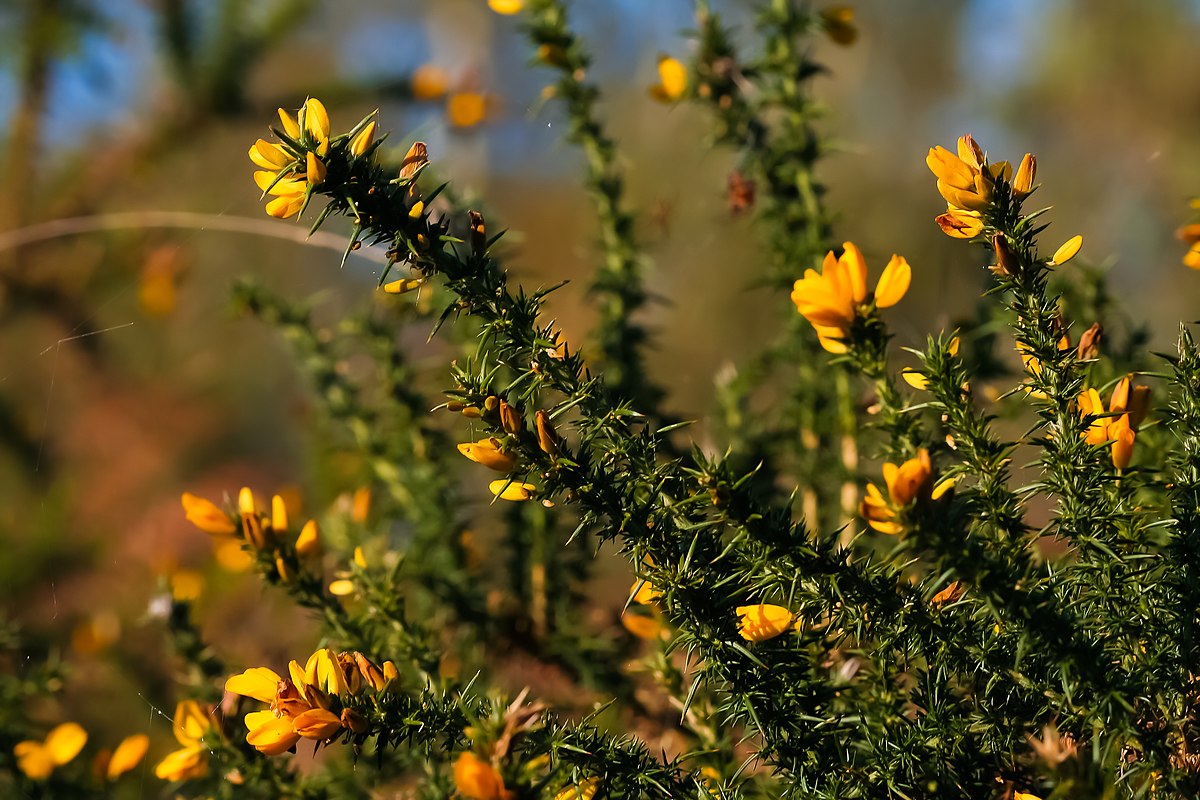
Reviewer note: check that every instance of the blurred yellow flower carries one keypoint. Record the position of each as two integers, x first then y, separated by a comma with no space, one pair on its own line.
506,7
190,724
1025,796
466,109
838,22
129,754
1190,234
206,515
763,621
428,82
475,779
38,759
672,80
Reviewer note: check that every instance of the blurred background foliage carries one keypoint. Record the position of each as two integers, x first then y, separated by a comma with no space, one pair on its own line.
126,378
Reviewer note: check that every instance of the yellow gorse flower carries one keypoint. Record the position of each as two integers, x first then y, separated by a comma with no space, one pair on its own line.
764,621
1190,234
466,109
584,790
835,297
506,7
512,490
672,80
1119,423
906,484
190,725
489,453
290,170
129,754
476,779
39,759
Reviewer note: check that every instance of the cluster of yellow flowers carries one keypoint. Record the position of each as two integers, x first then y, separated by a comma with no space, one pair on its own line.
265,533
289,171
309,703
38,760
835,298
908,484
499,455
1118,424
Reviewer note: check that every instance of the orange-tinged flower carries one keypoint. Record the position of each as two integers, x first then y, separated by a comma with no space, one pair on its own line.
317,723
488,452
206,515
38,759
672,80
643,626
428,82
1022,183
512,490
965,180
959,223
950,594
466,109
1192,257
763,621
832,299
506,7
476,779
129,754
1119,423
910,482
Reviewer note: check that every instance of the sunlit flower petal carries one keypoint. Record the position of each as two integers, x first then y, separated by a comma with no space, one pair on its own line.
763,621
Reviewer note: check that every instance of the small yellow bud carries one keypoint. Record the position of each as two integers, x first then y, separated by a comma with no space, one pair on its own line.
417,210
512,490
403,286
316,170
308,543
1023,181
363,140
1067,251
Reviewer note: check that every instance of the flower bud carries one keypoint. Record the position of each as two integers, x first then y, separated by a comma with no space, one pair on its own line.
416,158
1006,260
478,233
546,435
354,722
1022,183
511,419
1089,342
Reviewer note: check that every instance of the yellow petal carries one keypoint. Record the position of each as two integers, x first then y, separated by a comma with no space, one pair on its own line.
1192,258
190,722
512,490
893,283
315,169
316,119
256,719
763,621
506,7
129,754
34,760
1025,796
285,207
261,683
317,724
475,779
65,741
673,77
403,286
1026,173
1123,437
1067,251
342,587
363,140
831,339
960,224
290,126
308,543
943,486
275,737
206,515
949,168
182,765
855,269
269,156
911,479
914,379
488,453
279,517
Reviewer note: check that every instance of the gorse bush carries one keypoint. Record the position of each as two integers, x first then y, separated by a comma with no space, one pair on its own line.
975,583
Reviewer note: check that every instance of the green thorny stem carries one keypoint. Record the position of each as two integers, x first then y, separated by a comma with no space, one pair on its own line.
1123,611
713,547
764,109
618,282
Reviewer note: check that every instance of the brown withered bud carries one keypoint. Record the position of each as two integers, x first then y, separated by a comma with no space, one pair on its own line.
741,192
478,233
1089,342
1006,259
348,664
546,435
511,419
354,722
416,158
1053,748
288,701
